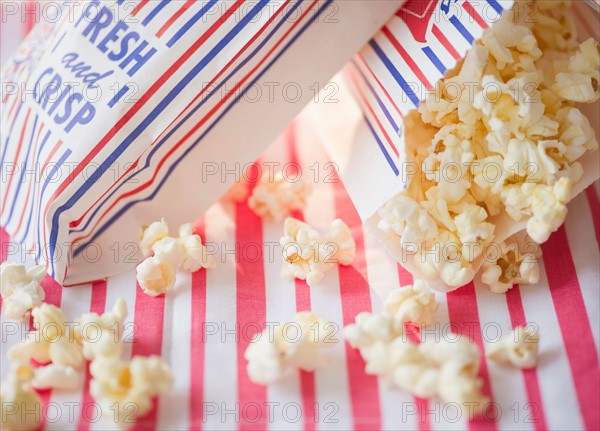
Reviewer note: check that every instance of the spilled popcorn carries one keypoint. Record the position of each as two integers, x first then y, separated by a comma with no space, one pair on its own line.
20,405
126,389
51,343
166,254
505,139
20,288
273,354
307,255
277,197
444,368
519,348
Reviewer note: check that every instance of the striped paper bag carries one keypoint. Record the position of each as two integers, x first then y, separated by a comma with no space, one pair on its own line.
389,78
114,113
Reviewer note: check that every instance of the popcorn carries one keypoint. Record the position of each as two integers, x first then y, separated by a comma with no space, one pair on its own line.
519,348
20,288
414,304
120,384
504,137
156,274
50,343
277,197
16,390
307,255
170,251
447,369
100,335
512,267
580,83
56,376
155,277
196,254
151,234
271,356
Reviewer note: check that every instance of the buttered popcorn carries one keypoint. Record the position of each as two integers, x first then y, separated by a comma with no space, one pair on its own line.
307,255
519,348
20,405
444,368
510,264
125,390
20,288
276,197
272,354
166,254
505,137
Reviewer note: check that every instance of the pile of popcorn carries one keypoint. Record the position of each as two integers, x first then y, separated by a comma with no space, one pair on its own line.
20,288
505,136
165,255
308,255
441,367
275,353
61,350
277,197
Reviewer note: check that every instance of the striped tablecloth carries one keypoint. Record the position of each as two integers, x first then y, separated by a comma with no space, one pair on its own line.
204,324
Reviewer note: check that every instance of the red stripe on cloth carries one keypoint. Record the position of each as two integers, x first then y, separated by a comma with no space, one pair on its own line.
147,340
594,203
474,14
175,17
412,64
97,305
53,296
356,297
6,189
251,309
184,139
142,101
367,105
445,42
574,325
414,335
197,347
463,314
532,385
4,245
303,300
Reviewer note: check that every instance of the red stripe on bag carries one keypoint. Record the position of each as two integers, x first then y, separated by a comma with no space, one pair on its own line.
6,190
250,309
175,17
463,314
474,14
97,305
574,325
414,67
532,385
356,297
147,340
197,345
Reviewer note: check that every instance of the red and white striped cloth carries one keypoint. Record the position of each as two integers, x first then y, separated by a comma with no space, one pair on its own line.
203,325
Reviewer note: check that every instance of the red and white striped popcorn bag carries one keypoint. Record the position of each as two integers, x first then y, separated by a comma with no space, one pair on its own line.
391,77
